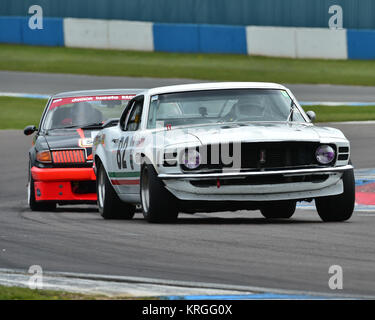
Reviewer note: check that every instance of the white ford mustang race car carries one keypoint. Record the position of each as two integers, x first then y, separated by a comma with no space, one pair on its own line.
219,147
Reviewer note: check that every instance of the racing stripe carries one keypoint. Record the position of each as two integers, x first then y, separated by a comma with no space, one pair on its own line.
81,133
124,174
126,182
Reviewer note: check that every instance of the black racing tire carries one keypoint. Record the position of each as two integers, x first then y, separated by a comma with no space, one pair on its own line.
279,209
109,204
33,204
340,207
158,204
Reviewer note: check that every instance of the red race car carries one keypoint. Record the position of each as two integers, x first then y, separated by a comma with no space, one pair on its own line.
60,159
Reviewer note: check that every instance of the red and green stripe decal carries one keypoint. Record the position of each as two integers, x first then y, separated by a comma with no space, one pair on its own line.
124,178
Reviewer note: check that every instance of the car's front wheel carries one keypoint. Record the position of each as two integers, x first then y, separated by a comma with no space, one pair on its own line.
109,204
33,204
158,204
279,209
340,207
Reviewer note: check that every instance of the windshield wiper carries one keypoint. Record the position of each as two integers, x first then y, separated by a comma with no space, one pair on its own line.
61,128
103,124
92,125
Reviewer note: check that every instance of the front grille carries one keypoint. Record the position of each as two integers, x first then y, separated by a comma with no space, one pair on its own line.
343,149
278,155
69,156
260,156
343,153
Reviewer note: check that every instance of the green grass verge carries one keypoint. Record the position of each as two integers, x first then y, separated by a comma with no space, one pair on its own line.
342,113
195,66
17,293
16,113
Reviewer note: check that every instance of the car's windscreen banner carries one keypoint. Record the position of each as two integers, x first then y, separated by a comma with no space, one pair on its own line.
62,101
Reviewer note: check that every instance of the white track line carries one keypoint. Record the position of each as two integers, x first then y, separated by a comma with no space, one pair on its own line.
24,95
146,287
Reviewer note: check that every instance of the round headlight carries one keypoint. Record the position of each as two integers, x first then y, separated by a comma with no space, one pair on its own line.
191,159
325,154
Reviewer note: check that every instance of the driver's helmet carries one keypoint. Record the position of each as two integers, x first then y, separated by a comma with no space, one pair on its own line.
83,113
249,106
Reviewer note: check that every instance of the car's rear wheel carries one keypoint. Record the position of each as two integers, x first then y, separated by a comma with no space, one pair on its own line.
158,204
109,204
340,207
279,209
33,204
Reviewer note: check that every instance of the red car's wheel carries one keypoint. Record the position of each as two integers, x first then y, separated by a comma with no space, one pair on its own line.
33,204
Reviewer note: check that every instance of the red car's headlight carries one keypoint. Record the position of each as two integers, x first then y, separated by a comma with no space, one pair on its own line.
44,156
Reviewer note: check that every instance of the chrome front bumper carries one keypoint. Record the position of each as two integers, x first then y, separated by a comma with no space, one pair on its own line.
285,173
180,185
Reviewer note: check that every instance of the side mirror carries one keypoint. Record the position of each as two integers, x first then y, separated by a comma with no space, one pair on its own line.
29,130
311,115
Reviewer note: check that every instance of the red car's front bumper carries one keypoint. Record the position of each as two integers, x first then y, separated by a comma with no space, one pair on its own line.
56,184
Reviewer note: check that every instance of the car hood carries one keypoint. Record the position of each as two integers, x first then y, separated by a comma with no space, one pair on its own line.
70,138
175,137
254,132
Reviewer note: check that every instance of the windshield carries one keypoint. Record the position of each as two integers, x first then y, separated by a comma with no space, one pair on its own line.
229,105
83,111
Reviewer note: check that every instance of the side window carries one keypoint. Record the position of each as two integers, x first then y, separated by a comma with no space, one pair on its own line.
134,119
125,114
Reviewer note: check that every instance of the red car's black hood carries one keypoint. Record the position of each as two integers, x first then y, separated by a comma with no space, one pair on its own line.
71,139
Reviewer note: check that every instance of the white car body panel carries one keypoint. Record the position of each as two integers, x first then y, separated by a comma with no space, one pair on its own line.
146,142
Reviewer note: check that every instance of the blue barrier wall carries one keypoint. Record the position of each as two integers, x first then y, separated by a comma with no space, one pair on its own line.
11,29
199,38
222,39
52,33
16,30
361,44
176,38
358,14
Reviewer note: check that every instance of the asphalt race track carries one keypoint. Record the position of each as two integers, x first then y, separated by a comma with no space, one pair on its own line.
48,83
238,248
